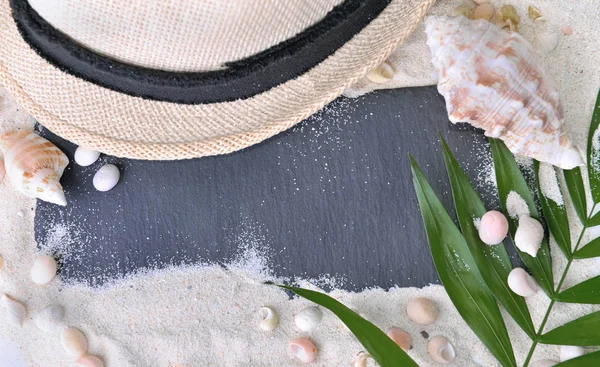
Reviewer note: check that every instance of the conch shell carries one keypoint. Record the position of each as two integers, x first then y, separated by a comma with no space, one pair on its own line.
34,165
495,81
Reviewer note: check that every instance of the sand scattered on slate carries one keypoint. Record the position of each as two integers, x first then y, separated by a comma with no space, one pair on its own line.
206,315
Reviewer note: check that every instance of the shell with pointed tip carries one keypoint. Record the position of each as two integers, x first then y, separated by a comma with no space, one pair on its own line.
74,342
15,311
495,81
89,361
34,165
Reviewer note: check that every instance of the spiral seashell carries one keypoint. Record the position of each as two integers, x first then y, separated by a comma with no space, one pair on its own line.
569,352
422,311
34,165
383,73
495,81
401,337
529,235
308,319
441,350
49,320
268,318
74,342
15,310
89,361
303,349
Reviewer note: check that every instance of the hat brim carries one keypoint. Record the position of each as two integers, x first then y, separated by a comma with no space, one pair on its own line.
128,126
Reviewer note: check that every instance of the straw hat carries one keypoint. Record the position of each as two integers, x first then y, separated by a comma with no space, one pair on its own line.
174,79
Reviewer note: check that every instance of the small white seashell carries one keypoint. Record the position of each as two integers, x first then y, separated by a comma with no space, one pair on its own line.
529,235
89,361
308,319
401,337
85,157
547,41
381,74
2,170
362,359
422,311
43,269
74,342
15,311
303,349
106,178
268,318
493,227
569,352
441,350
543,363
49,320
522,283
34,165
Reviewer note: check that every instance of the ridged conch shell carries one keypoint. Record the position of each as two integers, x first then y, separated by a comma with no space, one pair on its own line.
34,165
495,81
15,311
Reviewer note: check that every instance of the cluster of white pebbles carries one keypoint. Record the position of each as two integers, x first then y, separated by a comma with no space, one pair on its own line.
421,311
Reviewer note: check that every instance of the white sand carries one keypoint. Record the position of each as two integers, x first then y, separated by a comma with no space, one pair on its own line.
206,316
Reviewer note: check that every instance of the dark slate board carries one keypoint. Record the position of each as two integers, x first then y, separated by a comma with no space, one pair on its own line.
331,196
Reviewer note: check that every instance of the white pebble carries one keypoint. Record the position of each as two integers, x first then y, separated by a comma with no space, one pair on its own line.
74,342
308,319
49,320
43,269
268,318
522,283
85,157
106,178
529,235
569,352
422,311
15,311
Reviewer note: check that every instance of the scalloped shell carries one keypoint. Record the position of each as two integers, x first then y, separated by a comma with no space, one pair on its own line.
34,165
494,80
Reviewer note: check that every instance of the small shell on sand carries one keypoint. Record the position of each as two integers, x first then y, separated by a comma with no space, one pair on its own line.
522,283
15,311
74,342
547,41
268,318
308,319
493,227
43,269
362,359
381,74
533,13
49,320
303,349
529,235
89,361
86,157
401,337
422,311
106,178
569,352
441,350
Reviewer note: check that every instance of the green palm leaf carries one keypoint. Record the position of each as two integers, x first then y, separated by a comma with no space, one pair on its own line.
590,250
586,360
459,273
577,192
492,261
587,292
584,331
593,158
385,352
509,178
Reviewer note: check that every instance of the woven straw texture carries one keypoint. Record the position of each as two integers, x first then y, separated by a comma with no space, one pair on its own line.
181,35
126,126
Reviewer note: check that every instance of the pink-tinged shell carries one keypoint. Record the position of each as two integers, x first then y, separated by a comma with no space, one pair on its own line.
401,337
2,170
89,361
303,349
494,80
34,165
493,227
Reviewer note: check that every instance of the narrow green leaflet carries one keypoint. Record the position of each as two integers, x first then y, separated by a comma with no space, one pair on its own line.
492,261
590,250
593,154
555,216
577,192
587,292
586,360
509,178
594,221
459,273
585,331
385,352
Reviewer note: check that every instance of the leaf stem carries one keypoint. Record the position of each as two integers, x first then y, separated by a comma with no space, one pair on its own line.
558,286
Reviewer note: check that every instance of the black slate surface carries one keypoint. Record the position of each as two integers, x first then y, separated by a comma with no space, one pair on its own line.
332,196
